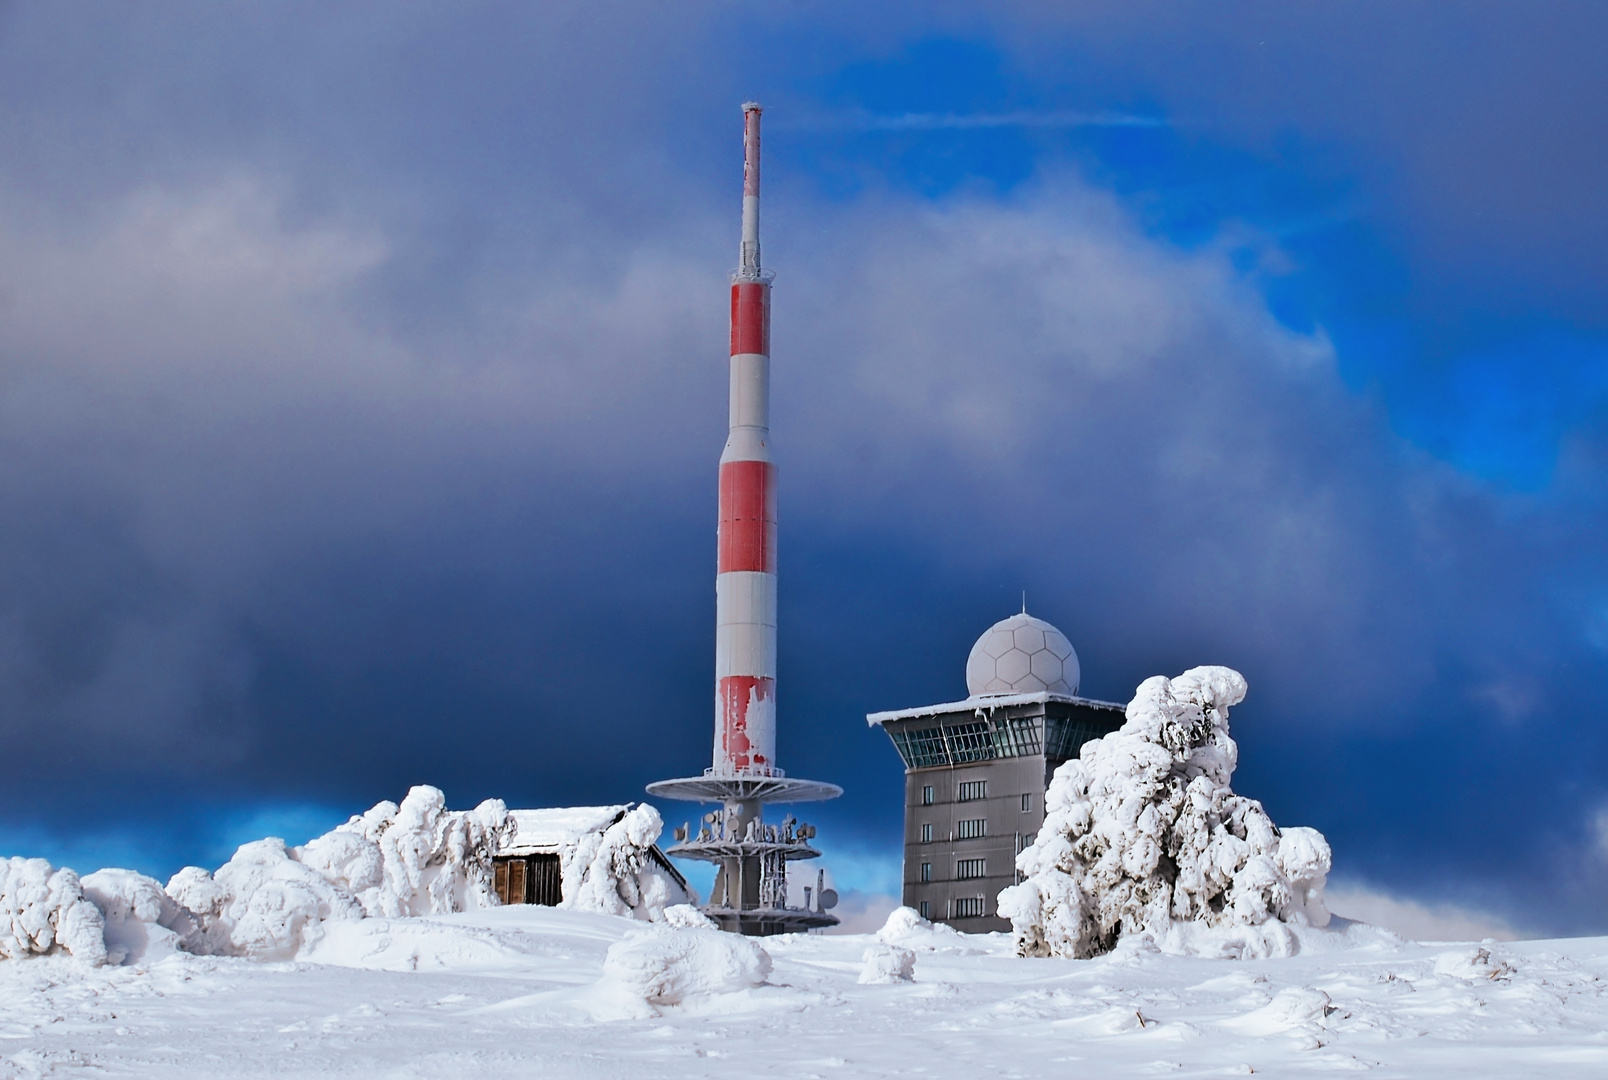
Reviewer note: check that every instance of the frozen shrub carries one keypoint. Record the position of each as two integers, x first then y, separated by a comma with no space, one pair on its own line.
614,873
415,859
418,858
261,903
1143,834
43,909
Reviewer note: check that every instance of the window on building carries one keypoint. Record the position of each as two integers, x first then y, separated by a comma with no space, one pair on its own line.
968,907
926,909
926,872
971,790
969,868
1027,803
926,795
926,833
972,828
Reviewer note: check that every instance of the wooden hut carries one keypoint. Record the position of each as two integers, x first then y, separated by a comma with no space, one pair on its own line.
528,868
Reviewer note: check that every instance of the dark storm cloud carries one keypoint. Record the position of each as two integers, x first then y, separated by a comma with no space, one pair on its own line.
361,384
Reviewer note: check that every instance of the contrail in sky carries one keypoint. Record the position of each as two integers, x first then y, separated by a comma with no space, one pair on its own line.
862,121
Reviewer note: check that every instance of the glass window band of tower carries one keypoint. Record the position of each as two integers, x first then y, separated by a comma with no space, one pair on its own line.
1067,736
950,741
966,742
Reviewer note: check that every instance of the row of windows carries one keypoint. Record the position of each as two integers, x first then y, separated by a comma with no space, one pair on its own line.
965,870
1023,840
971,791
966,907
969,829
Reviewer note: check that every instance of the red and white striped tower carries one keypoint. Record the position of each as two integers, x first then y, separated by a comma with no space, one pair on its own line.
750,891
745,582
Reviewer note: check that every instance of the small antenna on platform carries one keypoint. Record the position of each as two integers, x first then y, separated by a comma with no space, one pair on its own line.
1024,601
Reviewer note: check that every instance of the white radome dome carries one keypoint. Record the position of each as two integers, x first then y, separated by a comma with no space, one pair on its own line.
1022,655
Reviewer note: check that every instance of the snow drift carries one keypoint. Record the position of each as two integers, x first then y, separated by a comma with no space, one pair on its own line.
142,920
43,910
906,928
665,965
687,917
1143,835
885,963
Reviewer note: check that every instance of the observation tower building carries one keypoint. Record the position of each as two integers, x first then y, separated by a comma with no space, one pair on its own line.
751,855
976,770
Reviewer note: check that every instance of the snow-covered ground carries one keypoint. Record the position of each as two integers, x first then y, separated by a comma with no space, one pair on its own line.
521,991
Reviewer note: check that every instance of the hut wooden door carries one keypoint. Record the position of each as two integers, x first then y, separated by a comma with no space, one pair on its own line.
546,881
532,879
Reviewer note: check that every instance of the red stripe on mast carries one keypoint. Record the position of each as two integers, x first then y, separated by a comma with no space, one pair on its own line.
735,693
747,517
750,318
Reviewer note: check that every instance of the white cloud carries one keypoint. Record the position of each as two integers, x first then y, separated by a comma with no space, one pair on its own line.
1414,920
863,913
227,374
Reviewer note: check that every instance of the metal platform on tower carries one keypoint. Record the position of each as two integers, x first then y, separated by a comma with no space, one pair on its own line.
750,895
715,787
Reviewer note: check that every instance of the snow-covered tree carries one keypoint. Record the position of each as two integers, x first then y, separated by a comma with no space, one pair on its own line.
1143,834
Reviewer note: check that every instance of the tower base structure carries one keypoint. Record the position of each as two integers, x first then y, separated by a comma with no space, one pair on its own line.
751,856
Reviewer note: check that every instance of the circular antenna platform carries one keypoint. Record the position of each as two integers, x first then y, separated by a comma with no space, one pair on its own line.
765,789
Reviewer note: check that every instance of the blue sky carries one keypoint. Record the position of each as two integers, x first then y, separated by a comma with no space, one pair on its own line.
361,383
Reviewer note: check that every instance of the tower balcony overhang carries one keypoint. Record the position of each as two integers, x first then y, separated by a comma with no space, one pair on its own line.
992,727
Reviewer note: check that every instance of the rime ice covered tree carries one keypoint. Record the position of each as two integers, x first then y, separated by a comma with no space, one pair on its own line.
1143,834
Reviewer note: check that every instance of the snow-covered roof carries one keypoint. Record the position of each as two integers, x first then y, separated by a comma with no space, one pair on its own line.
551,828
985,704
